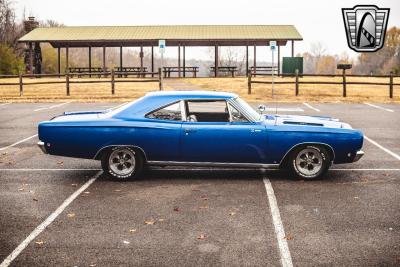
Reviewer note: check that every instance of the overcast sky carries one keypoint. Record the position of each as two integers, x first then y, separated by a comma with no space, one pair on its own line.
316,20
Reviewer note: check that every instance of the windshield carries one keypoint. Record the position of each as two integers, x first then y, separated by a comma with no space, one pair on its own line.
247,109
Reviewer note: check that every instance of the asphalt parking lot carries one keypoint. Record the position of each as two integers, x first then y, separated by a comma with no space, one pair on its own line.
181,217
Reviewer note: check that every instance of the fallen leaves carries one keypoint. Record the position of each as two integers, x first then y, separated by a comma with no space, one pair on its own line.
132,230
203,207
117,190
39,242
126,242
232,213
204,197
149,222
288,237
35,199
71,215
161,220
60,163
21,189
74,185
176,209
201,237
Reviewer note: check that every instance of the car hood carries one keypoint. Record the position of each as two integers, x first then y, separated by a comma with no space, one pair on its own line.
294,120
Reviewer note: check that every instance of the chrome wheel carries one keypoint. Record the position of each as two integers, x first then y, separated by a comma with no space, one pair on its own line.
122,161
309,161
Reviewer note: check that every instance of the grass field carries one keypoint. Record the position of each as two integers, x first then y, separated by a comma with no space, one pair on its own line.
261,92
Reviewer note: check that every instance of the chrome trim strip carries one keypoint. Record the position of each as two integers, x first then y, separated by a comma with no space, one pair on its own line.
358,156
239,108
214,164
104,147
42,147
307,143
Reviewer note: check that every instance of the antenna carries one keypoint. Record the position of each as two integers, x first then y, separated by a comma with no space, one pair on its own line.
273,47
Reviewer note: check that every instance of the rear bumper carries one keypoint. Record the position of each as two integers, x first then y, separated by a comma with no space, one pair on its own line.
358,156
42,147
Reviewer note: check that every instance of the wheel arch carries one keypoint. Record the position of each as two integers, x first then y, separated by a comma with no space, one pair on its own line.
287,154
104,149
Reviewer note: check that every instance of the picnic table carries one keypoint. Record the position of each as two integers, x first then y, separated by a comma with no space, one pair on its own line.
263,70
80,70
167,71
139,71
231,69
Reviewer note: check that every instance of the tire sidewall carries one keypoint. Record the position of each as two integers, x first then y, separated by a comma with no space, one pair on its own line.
326,161
106,166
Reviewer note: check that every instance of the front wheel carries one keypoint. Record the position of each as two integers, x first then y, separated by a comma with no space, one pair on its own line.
122,162
309,162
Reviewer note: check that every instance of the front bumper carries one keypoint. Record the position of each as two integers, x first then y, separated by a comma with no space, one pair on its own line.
42,146
358,156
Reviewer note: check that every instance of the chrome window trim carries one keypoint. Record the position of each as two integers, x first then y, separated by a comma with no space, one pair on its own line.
183,110
164,106
230,112
233,103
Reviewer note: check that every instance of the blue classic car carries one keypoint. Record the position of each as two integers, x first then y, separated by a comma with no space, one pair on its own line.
200,128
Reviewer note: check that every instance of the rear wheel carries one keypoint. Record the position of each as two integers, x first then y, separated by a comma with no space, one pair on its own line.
122,163
309,162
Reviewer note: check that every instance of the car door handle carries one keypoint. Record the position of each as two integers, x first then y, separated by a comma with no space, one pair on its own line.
255,130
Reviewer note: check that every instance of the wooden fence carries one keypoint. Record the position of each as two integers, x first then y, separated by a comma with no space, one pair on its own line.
107,74
296,81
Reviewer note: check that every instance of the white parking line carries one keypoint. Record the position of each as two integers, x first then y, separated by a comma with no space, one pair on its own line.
19,142
46,169
54,106
367,170
378,107
286,258
311,107
46,222
383,148
3,104
285,109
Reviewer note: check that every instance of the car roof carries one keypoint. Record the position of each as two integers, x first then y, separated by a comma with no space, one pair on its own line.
190,94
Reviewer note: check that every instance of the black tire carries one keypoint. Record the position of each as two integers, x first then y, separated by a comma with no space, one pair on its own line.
122,163
309,162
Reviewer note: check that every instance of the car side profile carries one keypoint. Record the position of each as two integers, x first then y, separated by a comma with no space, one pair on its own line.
200,128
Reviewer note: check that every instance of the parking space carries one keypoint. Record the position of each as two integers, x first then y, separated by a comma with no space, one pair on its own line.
187,217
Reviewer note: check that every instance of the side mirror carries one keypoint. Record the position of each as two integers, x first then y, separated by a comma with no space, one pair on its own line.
261,108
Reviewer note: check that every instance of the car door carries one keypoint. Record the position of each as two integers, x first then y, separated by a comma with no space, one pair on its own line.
211,134
160,136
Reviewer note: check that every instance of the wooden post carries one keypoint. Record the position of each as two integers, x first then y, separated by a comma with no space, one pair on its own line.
21,85
184,61
120,61
104,60
247,61
141,59
67,60
90,61
297,82
292,48
279,60
255,60
344,83
30,58
160,79
67,82
59,61
391,85
112,82
249,83
152,61
179,60
216,61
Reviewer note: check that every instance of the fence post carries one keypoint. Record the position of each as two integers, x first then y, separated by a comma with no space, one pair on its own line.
67,82
112,82
297,81
21,85
344,83
160,82
391,85
249,82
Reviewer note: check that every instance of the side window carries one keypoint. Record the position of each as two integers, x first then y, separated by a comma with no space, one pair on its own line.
207,111
236,115
171,113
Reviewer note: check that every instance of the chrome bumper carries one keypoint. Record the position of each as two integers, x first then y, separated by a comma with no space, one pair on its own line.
358,156
42,146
